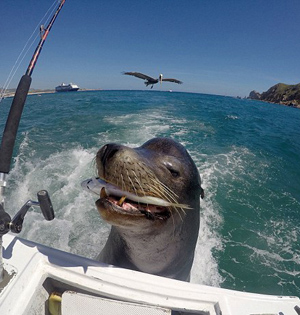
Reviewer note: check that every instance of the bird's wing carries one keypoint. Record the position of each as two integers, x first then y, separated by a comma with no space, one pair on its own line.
173,80
139,75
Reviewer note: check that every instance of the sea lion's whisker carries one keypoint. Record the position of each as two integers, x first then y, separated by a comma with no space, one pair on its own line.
133,186
165,188
168,189
179,212
116,174
122,182
176,206
165,194
172,201
181,219
157,192
139,183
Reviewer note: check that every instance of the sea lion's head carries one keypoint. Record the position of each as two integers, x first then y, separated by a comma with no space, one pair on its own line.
161,170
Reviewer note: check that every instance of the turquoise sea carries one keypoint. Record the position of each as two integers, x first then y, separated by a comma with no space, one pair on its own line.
247,152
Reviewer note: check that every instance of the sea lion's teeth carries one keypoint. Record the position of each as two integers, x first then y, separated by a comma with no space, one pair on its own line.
121,201
103,193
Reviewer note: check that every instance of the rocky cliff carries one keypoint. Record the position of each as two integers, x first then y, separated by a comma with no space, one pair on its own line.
280,93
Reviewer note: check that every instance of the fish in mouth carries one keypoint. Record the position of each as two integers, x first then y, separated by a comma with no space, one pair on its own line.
130,203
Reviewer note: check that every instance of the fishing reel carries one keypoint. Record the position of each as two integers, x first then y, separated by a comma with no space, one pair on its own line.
15,225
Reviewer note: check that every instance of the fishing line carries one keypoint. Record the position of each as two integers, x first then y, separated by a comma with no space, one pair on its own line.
22,54
8,142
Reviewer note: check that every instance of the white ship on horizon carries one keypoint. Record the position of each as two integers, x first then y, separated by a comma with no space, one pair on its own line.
67,87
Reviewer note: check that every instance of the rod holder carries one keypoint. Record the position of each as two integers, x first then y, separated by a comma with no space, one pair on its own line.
45,205
15,225
43,202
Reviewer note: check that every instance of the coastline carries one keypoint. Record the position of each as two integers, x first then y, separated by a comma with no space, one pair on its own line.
288,104
38,92
52,91
280,93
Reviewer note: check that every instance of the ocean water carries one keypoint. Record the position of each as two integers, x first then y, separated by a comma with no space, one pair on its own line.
247,153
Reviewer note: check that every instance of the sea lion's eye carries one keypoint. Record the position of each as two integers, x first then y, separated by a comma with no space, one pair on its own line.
174,173
172,170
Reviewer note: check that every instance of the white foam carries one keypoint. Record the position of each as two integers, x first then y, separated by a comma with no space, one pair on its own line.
138,127
205,267
214,169
60,174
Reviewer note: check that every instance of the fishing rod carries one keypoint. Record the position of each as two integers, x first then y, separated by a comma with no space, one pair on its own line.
8,142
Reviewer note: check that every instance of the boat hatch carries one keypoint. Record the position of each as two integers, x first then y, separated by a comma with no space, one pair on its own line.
77,304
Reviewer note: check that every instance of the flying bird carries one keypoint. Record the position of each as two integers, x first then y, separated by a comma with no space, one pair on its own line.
149,80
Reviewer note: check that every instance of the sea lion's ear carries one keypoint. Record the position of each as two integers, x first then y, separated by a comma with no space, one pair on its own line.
202,193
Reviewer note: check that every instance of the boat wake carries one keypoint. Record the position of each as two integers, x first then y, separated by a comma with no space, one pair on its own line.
78,227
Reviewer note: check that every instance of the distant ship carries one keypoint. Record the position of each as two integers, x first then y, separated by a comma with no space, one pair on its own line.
67,87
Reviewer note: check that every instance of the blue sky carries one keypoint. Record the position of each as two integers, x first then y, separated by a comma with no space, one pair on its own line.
221,47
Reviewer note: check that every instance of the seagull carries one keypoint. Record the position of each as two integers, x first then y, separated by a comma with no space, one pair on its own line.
149,80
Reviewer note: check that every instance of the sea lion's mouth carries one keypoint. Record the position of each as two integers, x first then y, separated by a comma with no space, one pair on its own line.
126,206
113,198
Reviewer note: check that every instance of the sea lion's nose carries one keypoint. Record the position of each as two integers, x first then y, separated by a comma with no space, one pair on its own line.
108,151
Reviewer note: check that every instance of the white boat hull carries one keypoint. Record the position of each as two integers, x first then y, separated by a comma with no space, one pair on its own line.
38,270
67,88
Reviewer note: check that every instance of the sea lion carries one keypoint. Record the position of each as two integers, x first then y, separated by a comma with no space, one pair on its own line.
156,239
